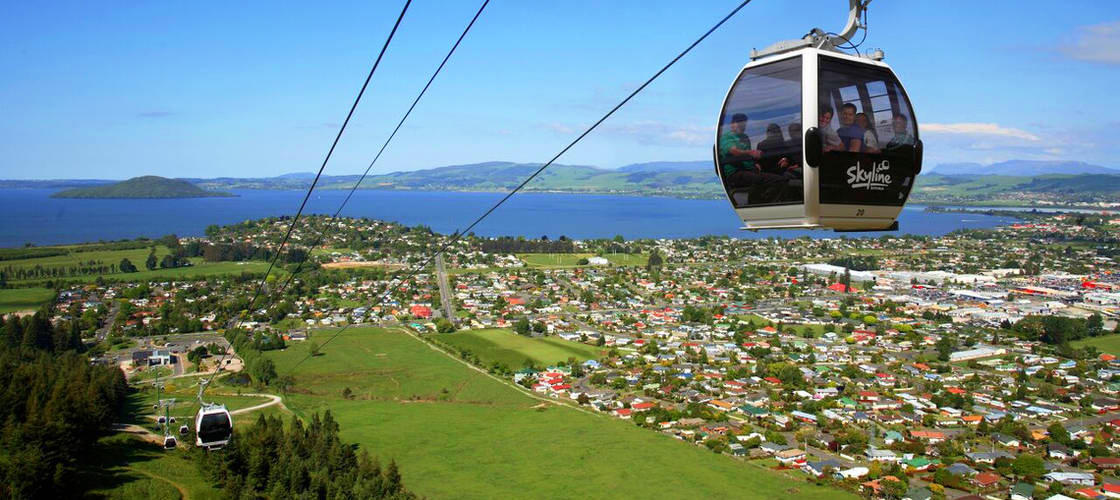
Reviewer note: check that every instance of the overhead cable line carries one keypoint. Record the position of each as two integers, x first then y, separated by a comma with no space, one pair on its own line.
458,234
322,230
319,174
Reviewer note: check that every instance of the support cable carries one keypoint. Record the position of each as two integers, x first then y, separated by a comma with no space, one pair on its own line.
458,234
306,197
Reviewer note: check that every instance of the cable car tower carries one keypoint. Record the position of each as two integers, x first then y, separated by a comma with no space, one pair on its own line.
812,137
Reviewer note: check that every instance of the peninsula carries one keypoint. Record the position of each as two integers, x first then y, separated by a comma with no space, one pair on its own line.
148,186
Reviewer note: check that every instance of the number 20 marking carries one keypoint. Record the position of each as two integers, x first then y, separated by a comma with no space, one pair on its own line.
859,212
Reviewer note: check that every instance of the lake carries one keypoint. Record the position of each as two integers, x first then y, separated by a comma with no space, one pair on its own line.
32,216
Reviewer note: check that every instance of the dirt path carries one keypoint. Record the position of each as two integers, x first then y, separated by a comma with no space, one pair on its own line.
273,400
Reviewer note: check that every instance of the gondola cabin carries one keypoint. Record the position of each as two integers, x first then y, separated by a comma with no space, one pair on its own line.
213,426
817,138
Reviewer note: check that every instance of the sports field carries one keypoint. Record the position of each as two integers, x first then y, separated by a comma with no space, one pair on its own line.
457,433
511,349
554,260
23,299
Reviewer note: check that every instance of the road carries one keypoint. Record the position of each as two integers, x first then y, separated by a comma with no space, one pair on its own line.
103,332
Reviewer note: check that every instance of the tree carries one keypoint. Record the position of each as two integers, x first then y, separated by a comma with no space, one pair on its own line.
893,489
945,346
522,326
1058,433
1095,325
443,325
151,262
313,348
126,266
1030,466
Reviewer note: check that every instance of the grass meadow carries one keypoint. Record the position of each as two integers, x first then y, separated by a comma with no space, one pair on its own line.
457,433
554,260
198,268
505,346
1107,343
23,299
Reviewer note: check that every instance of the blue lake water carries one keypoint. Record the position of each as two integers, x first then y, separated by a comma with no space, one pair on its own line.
31,215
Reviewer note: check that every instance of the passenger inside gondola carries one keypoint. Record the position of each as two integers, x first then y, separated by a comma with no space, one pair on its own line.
851,134
870,136
774,157
740,163
902,136
830,140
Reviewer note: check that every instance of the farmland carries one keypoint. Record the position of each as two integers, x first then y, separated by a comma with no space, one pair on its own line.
23,299
448,425
78,263
503,346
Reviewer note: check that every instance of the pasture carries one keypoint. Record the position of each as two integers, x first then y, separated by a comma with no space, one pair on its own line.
457,433
24,299
504,346
1106,343
83,266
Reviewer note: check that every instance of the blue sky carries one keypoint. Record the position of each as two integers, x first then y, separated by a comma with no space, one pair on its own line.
207,89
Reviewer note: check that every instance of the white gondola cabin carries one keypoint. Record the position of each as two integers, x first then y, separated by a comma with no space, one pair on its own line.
213,426
810,137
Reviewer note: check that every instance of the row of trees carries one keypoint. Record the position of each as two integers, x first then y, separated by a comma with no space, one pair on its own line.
268,460
506,244
1058,330
54,406
250,348
39,271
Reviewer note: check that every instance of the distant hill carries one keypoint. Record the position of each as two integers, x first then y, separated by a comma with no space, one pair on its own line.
502,176
148,186
946,183
1023,168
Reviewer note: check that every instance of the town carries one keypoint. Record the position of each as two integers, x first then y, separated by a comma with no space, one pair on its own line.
977,363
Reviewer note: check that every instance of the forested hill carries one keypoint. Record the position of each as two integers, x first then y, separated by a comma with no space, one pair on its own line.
149,186
689,179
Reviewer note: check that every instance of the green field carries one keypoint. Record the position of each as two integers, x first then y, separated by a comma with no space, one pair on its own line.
511,349
199,268
24,299
549,260
1108,344
457,433
134,469
186,404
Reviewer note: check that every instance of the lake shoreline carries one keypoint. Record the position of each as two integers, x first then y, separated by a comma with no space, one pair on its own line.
33,217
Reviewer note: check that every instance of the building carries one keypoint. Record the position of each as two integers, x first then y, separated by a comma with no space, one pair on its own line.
977,353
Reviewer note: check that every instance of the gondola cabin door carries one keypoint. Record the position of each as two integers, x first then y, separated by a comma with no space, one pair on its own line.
817,139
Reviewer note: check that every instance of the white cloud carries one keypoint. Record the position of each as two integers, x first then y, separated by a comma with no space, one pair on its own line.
978,130
652,132
560,128
1096,43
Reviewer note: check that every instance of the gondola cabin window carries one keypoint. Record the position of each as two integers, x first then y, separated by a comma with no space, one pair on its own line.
759,142
868,135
